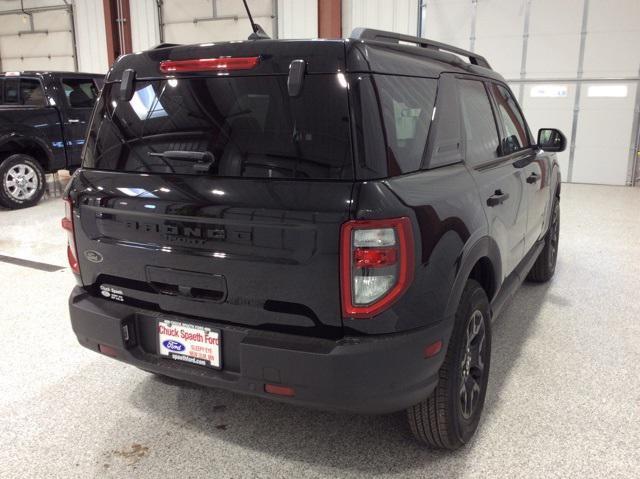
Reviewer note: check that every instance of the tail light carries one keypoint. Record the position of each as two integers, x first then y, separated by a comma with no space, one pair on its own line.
224,64
376,264
67,224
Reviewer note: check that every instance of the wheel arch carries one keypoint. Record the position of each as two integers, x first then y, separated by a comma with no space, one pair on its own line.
29,145
482,263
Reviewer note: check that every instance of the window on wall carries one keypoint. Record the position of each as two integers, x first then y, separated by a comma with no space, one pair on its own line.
515,136
481,135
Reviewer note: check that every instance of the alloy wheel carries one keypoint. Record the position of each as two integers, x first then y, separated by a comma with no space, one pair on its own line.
472,367
21,182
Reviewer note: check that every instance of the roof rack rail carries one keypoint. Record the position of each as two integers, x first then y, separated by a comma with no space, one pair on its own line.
381,35
164,45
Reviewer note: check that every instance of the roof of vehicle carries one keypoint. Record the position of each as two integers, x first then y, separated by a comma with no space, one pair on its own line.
368,50
50,72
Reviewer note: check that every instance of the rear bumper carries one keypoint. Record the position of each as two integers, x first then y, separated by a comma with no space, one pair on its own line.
377,374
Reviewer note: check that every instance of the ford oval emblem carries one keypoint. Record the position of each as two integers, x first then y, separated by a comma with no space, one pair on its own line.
173,345
93,256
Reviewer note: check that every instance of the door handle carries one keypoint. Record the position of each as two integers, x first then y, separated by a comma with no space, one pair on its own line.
533,178
497,199
73,120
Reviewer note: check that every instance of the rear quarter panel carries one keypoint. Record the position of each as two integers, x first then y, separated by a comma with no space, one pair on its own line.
447,220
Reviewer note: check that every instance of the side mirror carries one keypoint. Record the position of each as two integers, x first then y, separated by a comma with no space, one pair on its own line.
550,139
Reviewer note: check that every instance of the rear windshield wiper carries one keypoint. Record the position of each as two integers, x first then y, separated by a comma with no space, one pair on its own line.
203,159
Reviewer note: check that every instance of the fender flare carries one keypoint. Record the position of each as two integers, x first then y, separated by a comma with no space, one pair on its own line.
29,138
483,247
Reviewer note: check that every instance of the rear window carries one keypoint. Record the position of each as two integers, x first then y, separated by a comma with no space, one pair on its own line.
242,126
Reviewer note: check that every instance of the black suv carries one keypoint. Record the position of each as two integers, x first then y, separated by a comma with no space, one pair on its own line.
328,223
43,125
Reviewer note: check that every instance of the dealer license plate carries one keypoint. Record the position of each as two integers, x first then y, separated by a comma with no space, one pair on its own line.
190,343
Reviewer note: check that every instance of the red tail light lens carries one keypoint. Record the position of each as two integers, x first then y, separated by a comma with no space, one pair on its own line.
67,224
209,64
376,264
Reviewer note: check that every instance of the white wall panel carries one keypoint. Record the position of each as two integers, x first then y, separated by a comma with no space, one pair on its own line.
554,38
602,142
184,20
499,25
145,29
556,112
91,38
297,18
449,21
399,16
49,49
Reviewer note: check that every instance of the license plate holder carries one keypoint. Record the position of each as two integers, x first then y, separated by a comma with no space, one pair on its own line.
190,343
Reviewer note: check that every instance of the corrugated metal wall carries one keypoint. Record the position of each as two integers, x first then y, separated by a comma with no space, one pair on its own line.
573,63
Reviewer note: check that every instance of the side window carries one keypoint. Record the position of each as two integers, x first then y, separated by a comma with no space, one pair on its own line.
407,107
481,135
11,91
516,136
31,92
80,93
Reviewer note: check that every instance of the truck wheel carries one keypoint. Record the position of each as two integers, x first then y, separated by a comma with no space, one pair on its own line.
22,181
544,267
448,418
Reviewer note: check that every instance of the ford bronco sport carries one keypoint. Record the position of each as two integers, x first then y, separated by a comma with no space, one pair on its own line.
328,223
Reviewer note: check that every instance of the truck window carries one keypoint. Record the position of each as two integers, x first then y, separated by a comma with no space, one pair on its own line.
80,93
11,86
31,92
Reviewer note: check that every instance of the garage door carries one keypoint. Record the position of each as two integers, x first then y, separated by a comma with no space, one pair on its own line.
41,40
201,21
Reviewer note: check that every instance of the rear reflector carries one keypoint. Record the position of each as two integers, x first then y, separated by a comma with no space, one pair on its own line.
67,224
433,349
209,64
279,390
108,350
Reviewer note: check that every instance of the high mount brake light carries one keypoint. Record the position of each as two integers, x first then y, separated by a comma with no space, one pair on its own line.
376,258
223,64
67,224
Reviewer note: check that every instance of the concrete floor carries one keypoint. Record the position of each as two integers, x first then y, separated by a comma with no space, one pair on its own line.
563,400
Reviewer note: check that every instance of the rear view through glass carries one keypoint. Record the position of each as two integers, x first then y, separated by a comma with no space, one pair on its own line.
225,126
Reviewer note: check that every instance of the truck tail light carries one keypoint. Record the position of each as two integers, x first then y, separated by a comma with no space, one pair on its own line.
67,224
223,64
376,264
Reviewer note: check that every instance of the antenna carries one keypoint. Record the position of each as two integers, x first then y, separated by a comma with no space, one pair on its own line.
258,32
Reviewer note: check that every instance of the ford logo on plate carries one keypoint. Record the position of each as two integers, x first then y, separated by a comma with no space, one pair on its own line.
172,345
93,256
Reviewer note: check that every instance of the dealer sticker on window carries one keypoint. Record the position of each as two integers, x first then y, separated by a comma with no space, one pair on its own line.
190,343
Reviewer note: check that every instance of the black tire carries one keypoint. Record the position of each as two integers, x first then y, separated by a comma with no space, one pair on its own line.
448,418
545,266
22,181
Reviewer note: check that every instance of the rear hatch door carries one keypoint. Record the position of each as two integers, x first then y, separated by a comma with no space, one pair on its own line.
219,197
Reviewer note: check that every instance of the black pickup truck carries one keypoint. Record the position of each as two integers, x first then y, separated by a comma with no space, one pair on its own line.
328,223
43,121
